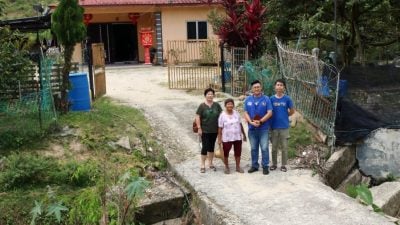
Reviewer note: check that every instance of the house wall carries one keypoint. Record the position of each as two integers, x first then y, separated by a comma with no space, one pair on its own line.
174,22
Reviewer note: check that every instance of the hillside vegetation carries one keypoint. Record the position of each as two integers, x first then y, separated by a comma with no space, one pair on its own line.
15,9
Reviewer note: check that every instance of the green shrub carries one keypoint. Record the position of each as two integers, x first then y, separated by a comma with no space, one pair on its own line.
86,207
26,169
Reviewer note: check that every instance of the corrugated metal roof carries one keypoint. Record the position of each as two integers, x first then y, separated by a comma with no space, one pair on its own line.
146,2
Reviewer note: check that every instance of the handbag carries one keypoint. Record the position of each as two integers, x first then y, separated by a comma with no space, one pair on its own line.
194,126
219,153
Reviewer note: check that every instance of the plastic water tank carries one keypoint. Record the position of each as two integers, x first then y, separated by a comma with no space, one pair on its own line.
79,96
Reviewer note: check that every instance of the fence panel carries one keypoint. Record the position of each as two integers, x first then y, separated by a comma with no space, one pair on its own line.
313,86
193,64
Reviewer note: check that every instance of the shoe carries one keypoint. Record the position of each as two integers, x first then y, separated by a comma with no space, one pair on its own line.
265,171
213,168
252,170
239,170
202,170
272,168
283,169
227,171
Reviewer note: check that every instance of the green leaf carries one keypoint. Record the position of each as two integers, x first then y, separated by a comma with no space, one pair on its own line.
376,208
136,188
56,209
365,194
351,191
36,212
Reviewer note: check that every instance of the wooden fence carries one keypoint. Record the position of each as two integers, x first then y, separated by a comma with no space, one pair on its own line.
18,89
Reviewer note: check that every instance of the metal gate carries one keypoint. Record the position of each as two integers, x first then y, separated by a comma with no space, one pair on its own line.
235,77
197,65
193,64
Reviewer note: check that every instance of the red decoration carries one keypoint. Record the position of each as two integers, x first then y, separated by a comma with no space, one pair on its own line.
134,17
87,18
146,37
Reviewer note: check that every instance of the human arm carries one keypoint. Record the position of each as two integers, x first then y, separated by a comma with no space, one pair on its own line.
291,111
220,135
199,132
255,123
243,133
266,116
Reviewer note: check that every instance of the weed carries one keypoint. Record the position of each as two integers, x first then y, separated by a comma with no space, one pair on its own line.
364,194
300,136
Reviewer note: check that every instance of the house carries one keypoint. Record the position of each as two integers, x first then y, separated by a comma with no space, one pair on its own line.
118,25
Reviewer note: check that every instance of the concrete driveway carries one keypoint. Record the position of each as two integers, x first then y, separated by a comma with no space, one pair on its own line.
291,198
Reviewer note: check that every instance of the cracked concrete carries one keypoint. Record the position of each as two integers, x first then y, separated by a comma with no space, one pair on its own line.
291,198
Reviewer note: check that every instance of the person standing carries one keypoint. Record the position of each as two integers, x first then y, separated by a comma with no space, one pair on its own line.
282,106
257,112
207,121
231,133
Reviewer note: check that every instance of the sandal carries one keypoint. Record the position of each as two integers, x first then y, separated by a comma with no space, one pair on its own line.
239,170
272,168
213,168
283,169
227,171
202,170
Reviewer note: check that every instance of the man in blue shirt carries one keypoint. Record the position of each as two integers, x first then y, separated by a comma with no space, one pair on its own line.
257,111
283,108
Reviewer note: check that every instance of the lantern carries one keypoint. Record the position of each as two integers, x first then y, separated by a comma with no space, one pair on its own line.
87,18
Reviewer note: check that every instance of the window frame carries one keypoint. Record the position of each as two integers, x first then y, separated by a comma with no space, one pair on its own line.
197,30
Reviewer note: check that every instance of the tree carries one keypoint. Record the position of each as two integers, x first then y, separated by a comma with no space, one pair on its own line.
242,25
360,24
67,24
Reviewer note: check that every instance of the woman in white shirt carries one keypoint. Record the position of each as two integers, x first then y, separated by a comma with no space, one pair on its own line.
231,132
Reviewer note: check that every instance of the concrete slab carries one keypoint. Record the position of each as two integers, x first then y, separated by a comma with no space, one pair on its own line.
291,198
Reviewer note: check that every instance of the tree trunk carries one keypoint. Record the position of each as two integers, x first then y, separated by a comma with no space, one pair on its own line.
65,78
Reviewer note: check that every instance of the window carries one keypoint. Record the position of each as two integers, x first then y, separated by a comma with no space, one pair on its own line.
196,30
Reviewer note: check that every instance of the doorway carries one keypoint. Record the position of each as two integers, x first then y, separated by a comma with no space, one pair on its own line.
120,41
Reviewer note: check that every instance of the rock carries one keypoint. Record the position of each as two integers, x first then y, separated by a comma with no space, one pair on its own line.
339,165
242,97
163,201
379,154
124,142
354,178
387,197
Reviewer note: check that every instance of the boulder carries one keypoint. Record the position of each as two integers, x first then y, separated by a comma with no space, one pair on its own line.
387,197
379,154
339,165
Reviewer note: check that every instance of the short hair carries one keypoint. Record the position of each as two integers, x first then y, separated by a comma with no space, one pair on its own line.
255,82
208,90
280,81
229,100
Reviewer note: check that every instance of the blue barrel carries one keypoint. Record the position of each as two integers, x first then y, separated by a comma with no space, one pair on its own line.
323,88
79,96
342,88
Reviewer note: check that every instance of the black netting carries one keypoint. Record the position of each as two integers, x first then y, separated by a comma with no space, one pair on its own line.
372,100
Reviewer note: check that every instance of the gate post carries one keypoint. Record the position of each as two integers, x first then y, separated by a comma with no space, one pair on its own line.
222,64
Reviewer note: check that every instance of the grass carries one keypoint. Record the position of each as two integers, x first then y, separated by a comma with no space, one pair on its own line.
27,173
300,136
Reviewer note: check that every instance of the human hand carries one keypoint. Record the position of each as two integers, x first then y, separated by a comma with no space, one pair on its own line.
199,132
255,123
